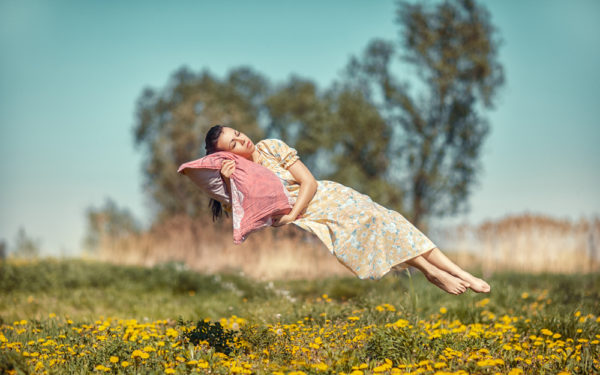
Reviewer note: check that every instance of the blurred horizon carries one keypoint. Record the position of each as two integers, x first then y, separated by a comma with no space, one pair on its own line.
71,74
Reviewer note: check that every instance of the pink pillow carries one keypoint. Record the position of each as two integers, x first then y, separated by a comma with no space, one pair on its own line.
257,193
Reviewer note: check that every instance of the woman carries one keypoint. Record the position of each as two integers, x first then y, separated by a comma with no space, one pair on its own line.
364,236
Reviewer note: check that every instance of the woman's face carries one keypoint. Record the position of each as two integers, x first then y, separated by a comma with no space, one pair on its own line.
234,141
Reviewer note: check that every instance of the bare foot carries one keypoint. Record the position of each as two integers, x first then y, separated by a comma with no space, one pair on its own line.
476,284
447,282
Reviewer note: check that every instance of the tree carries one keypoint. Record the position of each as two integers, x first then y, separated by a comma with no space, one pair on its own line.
108,222
171,126
2,250
25,246
437,131
416,152
340,135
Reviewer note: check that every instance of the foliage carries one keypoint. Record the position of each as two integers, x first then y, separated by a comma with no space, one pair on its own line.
437,127
219,338
171,125
108,222
339,134
11,361
417,153
25,246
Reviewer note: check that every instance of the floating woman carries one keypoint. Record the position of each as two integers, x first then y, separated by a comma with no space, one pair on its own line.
366,237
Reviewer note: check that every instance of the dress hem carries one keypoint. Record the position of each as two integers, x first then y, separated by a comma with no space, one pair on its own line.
400,266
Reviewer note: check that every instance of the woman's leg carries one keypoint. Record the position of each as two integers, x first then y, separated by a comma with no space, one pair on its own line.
439,277
438,259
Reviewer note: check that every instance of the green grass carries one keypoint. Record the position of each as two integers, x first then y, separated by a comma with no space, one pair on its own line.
88,292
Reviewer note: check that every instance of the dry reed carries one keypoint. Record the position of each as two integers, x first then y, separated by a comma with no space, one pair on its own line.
273,253
525,243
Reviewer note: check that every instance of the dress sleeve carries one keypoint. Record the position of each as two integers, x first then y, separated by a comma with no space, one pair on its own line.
285,154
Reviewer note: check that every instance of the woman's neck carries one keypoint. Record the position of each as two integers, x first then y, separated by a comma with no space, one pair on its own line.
255,156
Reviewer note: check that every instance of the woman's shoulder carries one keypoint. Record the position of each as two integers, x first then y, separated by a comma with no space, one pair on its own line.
272,145
276,149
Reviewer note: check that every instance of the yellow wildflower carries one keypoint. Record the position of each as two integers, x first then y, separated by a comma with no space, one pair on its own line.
321,366
546,332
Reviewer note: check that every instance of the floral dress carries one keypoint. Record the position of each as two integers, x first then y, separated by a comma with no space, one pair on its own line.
366,237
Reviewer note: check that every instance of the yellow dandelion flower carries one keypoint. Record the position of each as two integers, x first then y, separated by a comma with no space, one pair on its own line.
353,318
577,313
169,371
125,364
114,359
321,366
443,310
546,332
400,323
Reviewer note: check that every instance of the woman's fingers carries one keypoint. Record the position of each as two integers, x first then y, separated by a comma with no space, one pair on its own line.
227,168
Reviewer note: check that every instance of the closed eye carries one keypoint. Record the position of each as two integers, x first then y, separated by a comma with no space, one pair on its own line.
237,133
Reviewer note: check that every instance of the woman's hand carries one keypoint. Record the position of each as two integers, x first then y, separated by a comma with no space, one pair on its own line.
282,220
227,168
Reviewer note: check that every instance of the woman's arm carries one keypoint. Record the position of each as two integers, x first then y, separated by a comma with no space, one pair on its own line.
227,169
308,188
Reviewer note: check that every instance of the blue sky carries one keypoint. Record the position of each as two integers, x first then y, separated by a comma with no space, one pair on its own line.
71,71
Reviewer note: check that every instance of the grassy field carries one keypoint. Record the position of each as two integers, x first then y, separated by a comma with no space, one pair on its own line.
74,316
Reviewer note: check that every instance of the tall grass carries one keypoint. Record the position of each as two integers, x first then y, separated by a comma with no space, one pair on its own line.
527,243
272,253
523,243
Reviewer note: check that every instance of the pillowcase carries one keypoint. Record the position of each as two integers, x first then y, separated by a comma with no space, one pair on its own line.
257,194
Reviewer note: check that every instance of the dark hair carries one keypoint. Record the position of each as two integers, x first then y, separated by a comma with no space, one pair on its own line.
210,144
